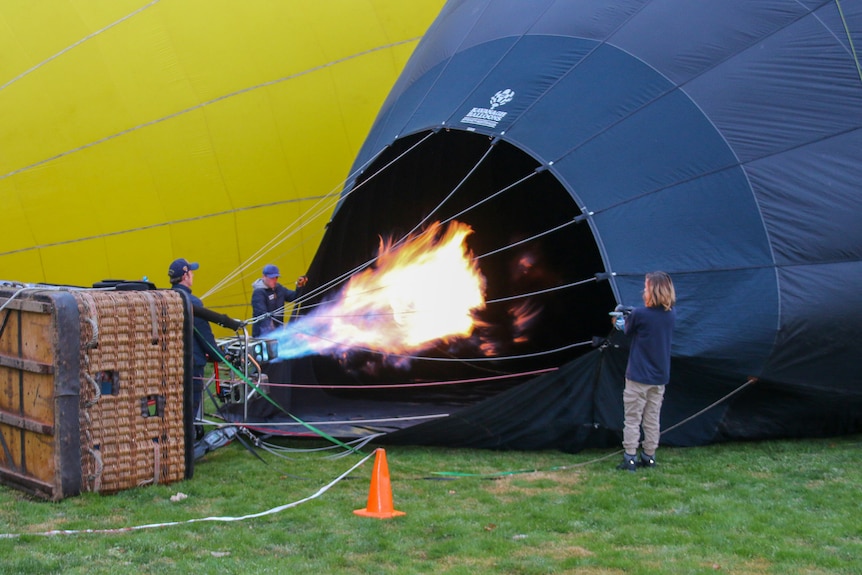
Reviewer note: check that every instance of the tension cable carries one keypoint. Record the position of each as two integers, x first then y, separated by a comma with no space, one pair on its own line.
750,381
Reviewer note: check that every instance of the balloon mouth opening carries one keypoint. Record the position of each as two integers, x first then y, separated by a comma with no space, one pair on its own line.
529,242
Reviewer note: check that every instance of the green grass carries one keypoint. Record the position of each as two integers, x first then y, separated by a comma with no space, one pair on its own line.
779,507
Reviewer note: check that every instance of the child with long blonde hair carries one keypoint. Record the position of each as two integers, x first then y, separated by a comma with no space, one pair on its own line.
648,369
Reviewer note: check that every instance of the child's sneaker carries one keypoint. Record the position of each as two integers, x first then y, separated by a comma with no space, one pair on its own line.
628,464
646,460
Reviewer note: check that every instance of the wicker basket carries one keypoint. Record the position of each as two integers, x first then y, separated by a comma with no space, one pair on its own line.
94,390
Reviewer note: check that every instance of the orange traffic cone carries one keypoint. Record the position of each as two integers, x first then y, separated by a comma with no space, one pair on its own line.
380,494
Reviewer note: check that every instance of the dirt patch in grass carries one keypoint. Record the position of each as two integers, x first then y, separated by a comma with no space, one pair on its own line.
529,482
563,547
752,567
481,564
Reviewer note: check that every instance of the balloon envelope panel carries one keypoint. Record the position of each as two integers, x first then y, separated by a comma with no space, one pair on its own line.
137,132
717,142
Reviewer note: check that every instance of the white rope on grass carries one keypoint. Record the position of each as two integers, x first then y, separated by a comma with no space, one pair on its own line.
272,511
282,451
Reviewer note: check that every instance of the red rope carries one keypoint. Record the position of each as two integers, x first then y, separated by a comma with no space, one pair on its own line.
423,384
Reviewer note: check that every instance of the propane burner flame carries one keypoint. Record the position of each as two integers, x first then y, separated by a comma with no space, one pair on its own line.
419,292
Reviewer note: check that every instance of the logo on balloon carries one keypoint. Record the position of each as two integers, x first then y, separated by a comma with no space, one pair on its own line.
502,97
490,117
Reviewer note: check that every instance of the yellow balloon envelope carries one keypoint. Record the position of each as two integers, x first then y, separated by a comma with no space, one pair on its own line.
135,132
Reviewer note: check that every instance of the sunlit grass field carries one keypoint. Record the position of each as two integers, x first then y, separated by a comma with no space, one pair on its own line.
777,507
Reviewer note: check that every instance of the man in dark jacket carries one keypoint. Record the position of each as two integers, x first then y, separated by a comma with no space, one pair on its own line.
267,304
181,274
268,299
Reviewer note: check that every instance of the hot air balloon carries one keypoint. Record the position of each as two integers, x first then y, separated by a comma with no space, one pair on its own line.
140,131
586,144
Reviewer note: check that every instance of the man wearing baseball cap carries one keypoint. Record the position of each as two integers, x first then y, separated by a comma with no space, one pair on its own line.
267,304
268,299
181,274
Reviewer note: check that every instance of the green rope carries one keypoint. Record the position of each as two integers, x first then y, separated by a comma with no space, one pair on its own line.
491,475
266,396
849,38
525,471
